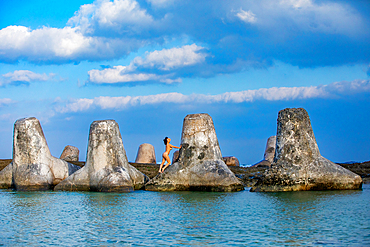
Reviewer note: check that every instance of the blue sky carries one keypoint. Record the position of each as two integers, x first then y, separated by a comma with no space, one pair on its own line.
149,63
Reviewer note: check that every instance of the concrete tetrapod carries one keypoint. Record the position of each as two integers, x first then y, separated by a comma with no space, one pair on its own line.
269,155
146,154
33,167
270,149
298,164
200,166
106,168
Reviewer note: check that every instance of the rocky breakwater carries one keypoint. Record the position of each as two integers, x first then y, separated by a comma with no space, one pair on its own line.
106,168
298,164
200,166
33,167
146,154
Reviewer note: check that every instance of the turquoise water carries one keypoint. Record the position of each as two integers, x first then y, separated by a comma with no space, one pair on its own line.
142,218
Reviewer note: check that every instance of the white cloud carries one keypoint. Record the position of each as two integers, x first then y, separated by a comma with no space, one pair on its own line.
121,16
170,81
20,41
78,105
164,60
54,44
24,76
118,74
111,29
122,102
353,87
121,12
269,94
5,101
289,17
167,59
298,3
246,16
326,17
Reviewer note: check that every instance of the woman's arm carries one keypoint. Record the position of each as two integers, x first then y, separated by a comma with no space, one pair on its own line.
175,146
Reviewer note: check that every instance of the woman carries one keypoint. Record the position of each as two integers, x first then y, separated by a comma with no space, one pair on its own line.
165,155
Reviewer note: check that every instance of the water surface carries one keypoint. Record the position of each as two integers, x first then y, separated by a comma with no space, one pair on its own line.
143,218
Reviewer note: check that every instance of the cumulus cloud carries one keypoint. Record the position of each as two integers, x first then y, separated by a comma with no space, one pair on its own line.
118,74
98,31
78,105
56,45
121,16
287,18
167,61
24,76
284,30
270,94
325,17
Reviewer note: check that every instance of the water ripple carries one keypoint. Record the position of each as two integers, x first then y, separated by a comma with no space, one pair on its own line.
330,218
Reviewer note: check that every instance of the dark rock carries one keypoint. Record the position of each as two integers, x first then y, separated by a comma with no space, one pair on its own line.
106,168
4,163
70,153
175,156
248,175
200,165
362,169
298,164
231,161
150,170
263,163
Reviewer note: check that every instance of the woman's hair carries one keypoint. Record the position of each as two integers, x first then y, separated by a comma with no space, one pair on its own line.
165,140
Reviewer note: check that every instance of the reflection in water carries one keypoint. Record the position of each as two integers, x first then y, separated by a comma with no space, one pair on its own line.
319,216
334,218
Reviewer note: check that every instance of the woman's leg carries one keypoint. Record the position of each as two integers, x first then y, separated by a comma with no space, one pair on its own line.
168,162
160,167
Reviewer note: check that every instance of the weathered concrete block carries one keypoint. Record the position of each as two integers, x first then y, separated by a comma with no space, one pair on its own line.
70,153
106,168
298,164
270,149
6,177
231,161
200,165
33,167
146,154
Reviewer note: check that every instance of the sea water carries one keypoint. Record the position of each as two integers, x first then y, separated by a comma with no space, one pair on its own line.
143,218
